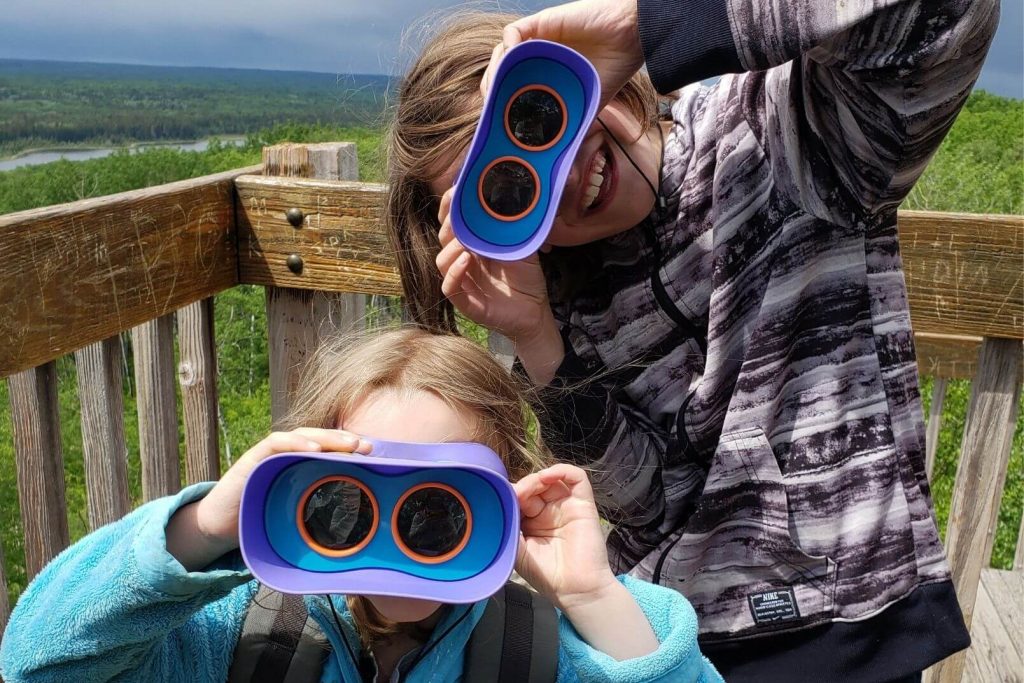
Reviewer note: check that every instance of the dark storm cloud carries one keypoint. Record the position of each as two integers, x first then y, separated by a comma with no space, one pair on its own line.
336,36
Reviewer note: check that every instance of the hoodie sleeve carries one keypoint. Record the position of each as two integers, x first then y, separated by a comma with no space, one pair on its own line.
854,97
117,606
677,659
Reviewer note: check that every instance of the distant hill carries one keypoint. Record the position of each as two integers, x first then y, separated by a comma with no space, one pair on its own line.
72,103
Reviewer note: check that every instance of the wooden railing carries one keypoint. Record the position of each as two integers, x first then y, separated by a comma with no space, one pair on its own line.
74,276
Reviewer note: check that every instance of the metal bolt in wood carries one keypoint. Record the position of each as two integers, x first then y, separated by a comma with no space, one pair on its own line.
295,217
294,262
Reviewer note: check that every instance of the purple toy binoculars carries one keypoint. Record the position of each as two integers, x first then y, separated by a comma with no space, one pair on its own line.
541,104
431,521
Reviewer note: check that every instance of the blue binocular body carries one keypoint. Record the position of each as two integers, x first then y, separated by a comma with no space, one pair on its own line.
430,521
541,104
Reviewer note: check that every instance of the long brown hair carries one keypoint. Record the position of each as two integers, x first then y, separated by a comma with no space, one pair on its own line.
437,110
345,371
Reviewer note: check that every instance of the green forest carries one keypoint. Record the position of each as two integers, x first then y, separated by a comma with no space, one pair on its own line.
63,104
979,168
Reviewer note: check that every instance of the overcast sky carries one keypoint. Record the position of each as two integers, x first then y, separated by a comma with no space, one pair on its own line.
334,36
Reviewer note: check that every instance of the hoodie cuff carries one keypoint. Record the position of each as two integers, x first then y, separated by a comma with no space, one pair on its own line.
161,571
673,621
685,42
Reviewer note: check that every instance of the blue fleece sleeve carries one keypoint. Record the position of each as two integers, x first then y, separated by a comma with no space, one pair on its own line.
677,659
117,606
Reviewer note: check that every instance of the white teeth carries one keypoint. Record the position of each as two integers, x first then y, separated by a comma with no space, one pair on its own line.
594,181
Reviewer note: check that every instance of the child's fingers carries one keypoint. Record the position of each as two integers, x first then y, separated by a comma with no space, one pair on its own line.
453,279
336,440
492,67
447,256
446,235
445,207
534,493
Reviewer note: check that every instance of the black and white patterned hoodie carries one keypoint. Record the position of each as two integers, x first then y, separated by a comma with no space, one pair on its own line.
755,415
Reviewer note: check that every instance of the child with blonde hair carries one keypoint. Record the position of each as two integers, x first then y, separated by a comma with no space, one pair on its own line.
161,595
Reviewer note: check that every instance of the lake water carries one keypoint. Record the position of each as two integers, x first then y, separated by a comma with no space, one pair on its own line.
46,156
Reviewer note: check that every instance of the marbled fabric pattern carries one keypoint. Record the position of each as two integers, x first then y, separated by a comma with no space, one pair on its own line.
776,441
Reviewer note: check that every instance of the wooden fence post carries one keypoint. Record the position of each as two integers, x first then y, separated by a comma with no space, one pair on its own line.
984,454
40,463
103,445
197,377
153,347
931,440
297,319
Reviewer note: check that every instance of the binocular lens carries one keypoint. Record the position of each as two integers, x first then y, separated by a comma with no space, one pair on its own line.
508,188
432,521
536,118
339,515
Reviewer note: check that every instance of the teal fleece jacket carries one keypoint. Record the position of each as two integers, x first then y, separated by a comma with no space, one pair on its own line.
116,606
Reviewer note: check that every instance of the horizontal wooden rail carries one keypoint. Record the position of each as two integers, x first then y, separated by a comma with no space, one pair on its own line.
78,273
339,237
964,272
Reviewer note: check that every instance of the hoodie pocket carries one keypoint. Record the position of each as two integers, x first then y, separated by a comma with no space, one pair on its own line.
736,560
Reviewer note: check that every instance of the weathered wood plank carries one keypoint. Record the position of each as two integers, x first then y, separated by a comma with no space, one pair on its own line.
947,356
5,607
197,378
341,241
997,636
78,273
298,319
153,347
40,464
931,440
985,452
103,444
964,272
1018,556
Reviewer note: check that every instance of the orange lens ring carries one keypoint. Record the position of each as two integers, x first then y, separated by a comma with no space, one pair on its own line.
480,188
330,552
561,131
413,555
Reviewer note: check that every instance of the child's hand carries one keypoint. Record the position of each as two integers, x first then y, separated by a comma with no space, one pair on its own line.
562,552
200,533
509,297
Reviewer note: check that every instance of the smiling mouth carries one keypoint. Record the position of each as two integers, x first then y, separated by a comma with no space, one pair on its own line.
598,182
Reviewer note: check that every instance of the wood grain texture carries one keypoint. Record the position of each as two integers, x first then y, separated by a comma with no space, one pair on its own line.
948,356
1018,556
341,241
964,273
78,273
931,439
197,379
299,320
153,346
103,444
985,453
40,464
5,607
996,654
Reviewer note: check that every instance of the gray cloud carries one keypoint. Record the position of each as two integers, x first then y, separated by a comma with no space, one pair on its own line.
335,36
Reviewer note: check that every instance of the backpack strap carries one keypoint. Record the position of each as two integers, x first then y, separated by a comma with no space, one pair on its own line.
516,640
279,642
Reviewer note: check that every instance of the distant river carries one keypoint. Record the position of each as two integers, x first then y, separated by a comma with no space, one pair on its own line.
46,156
